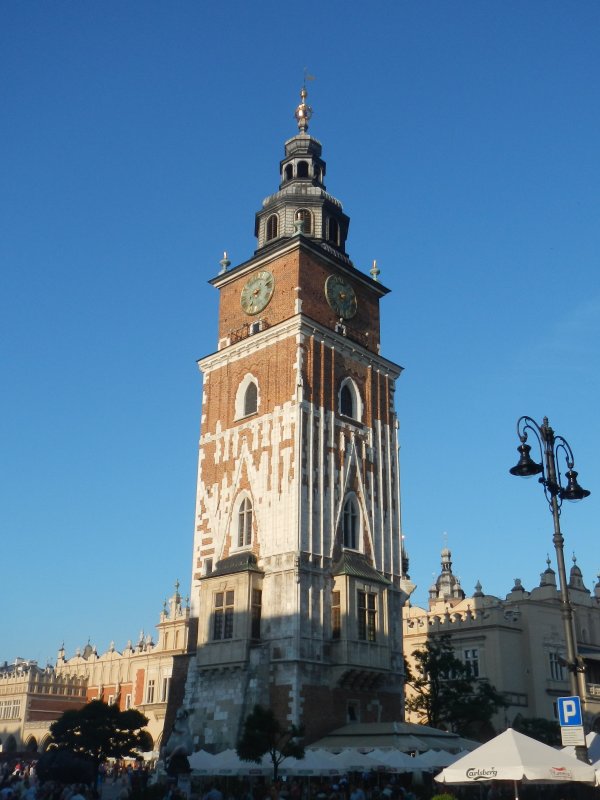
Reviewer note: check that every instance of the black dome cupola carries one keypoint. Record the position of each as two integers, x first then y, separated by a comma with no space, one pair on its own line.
302,206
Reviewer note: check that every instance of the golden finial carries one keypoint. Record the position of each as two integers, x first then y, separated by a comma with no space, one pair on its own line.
303,112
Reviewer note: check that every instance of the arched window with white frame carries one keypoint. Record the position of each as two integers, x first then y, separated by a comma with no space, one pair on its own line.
247,397
349,400
351,523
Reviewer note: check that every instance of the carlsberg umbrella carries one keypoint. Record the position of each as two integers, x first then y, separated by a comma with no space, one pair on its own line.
512,756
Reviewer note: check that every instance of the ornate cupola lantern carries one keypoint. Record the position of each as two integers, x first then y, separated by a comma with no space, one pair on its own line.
302,206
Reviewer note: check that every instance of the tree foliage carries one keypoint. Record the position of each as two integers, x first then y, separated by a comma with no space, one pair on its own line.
445,694
64,766
544,730
99,731
263,733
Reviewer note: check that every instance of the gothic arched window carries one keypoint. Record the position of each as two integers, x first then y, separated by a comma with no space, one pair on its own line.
247,397
306,217
349,400
346,401
250,399
350,524
272,227
302,169
245,523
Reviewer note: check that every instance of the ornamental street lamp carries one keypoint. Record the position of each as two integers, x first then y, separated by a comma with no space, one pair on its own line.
551,447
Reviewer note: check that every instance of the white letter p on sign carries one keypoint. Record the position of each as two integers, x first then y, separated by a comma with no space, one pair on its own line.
569,710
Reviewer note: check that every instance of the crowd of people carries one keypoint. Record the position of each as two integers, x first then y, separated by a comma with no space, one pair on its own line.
296,789
19,781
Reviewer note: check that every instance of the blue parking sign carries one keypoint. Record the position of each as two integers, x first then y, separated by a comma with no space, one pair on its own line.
569,711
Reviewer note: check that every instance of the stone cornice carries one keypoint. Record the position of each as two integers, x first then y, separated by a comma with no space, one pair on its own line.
294,326
265,256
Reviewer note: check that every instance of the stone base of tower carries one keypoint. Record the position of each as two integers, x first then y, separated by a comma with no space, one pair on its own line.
319,697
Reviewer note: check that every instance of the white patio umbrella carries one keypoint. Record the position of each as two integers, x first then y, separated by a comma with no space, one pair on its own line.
355,761
315,762
202,763
229,763
395,760
434,759
512,756
596,768
592,741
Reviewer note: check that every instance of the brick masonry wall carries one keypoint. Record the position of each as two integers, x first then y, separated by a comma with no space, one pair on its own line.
300,275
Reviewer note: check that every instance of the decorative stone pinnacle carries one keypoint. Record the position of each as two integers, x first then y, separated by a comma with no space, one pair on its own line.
375,270
303,112
224,262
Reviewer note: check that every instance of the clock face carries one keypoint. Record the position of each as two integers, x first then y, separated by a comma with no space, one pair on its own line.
340,296
257,292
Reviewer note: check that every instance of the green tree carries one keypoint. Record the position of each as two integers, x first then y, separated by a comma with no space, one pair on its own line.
263,733
445,694
99,731
64,767
544,730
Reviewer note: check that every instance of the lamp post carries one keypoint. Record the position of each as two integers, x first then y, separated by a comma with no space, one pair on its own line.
551,447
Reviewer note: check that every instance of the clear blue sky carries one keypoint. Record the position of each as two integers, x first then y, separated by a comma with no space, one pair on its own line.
137,141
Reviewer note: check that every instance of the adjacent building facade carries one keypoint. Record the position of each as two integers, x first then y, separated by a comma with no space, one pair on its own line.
297,577
31,697
148,676
516,643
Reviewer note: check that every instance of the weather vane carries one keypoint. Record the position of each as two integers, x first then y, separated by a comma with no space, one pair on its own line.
307,77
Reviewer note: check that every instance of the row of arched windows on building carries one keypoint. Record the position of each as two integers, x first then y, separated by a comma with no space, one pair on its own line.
349,399
350,522
303,171
332,228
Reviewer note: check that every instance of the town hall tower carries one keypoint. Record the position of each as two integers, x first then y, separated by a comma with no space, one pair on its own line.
297,577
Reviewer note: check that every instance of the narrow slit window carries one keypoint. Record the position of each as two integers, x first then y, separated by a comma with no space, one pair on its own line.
350,524
333,231
245,523
272,227
336,616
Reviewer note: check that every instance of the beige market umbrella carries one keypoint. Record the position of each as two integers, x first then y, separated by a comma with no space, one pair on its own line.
512,756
